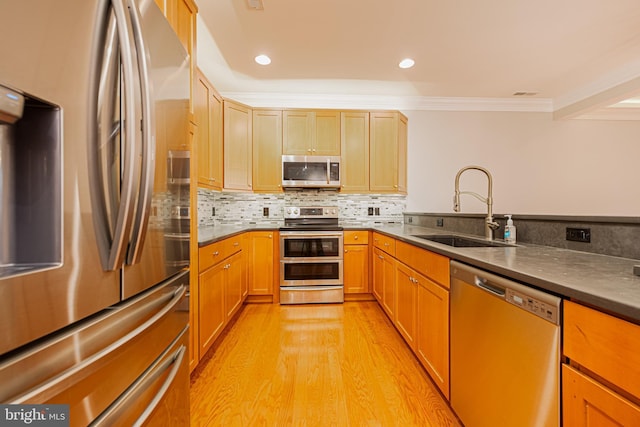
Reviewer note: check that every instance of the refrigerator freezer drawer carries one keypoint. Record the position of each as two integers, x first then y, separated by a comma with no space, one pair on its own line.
90,365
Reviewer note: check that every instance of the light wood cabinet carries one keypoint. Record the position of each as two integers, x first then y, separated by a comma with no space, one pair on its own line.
234,282
237,146
222,278
262,264
384,276
356,262
388,152
407,303
601,383
307,133
211,312
267,151
432,331
586,402
422,306
208,117
355,151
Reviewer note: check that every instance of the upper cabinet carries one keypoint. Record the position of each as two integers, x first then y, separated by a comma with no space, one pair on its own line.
355,151
208,117
238,130
267,150
311,133
182,15
388,152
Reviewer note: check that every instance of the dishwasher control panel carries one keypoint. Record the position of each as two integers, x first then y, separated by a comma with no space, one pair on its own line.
539,308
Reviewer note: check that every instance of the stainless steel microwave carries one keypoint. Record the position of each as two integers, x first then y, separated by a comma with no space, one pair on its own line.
311,171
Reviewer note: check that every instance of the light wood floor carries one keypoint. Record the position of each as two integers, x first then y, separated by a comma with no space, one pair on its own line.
314,365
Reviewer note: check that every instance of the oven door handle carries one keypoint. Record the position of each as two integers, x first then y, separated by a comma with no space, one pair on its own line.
307,234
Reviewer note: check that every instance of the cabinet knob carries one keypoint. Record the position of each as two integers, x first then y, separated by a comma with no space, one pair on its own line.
309,150
345,251
235,243
355,237
380,256
216,253
270,236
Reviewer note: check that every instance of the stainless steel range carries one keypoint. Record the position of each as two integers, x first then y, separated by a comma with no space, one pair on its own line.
311,260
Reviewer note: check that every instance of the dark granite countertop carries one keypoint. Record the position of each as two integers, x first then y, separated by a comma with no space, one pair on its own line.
604,282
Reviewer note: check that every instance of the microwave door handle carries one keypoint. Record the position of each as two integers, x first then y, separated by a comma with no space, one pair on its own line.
328,171
148,141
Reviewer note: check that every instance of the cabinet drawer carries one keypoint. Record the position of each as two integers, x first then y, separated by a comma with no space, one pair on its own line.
210,255
360,237
430,264
385,243
605,345
214,253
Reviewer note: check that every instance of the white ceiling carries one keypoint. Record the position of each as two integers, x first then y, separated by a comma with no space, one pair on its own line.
563,50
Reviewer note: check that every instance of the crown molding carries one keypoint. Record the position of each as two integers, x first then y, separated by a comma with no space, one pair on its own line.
374,102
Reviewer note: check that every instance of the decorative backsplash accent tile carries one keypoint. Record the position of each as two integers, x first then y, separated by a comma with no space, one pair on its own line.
239,208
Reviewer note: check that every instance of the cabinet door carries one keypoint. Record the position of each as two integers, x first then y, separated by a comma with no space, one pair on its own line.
586,402
267,150
216,128
261,263
356,269
326,141
407,299
234,271
432,333
355,152
201,99
298,131
384,152
378,273
211,306
237,146
389,286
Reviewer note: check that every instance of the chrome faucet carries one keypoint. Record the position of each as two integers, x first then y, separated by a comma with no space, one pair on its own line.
489,223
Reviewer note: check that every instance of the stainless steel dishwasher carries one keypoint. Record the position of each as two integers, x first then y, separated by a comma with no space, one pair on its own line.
505,351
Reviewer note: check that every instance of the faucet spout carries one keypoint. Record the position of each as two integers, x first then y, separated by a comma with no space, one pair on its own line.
490,224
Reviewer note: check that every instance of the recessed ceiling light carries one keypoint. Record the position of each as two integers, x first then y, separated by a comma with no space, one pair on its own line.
263,60
406,63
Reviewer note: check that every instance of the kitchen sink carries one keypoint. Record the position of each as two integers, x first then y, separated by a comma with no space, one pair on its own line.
461,242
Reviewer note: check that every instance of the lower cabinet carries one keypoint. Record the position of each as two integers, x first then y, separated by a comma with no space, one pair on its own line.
407,304
586,402
419,307
234,280
211,310
221,284
601,382
356,262
432,331
384,276
262,265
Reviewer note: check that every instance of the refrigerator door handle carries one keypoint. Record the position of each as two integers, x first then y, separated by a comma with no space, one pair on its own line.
44,390
148,141
112,232
124,402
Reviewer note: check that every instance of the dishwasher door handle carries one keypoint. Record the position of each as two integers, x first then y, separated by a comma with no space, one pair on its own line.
484,284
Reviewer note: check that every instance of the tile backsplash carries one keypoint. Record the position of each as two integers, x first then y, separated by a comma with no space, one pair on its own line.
238,208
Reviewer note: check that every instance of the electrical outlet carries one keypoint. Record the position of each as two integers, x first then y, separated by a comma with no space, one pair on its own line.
579,234
370,210
440,222
265,211
410,219
377,211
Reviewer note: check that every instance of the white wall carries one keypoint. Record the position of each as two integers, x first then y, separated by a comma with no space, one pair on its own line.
539,166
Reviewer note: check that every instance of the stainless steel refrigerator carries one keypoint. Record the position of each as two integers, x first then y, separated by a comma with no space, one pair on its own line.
94,196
